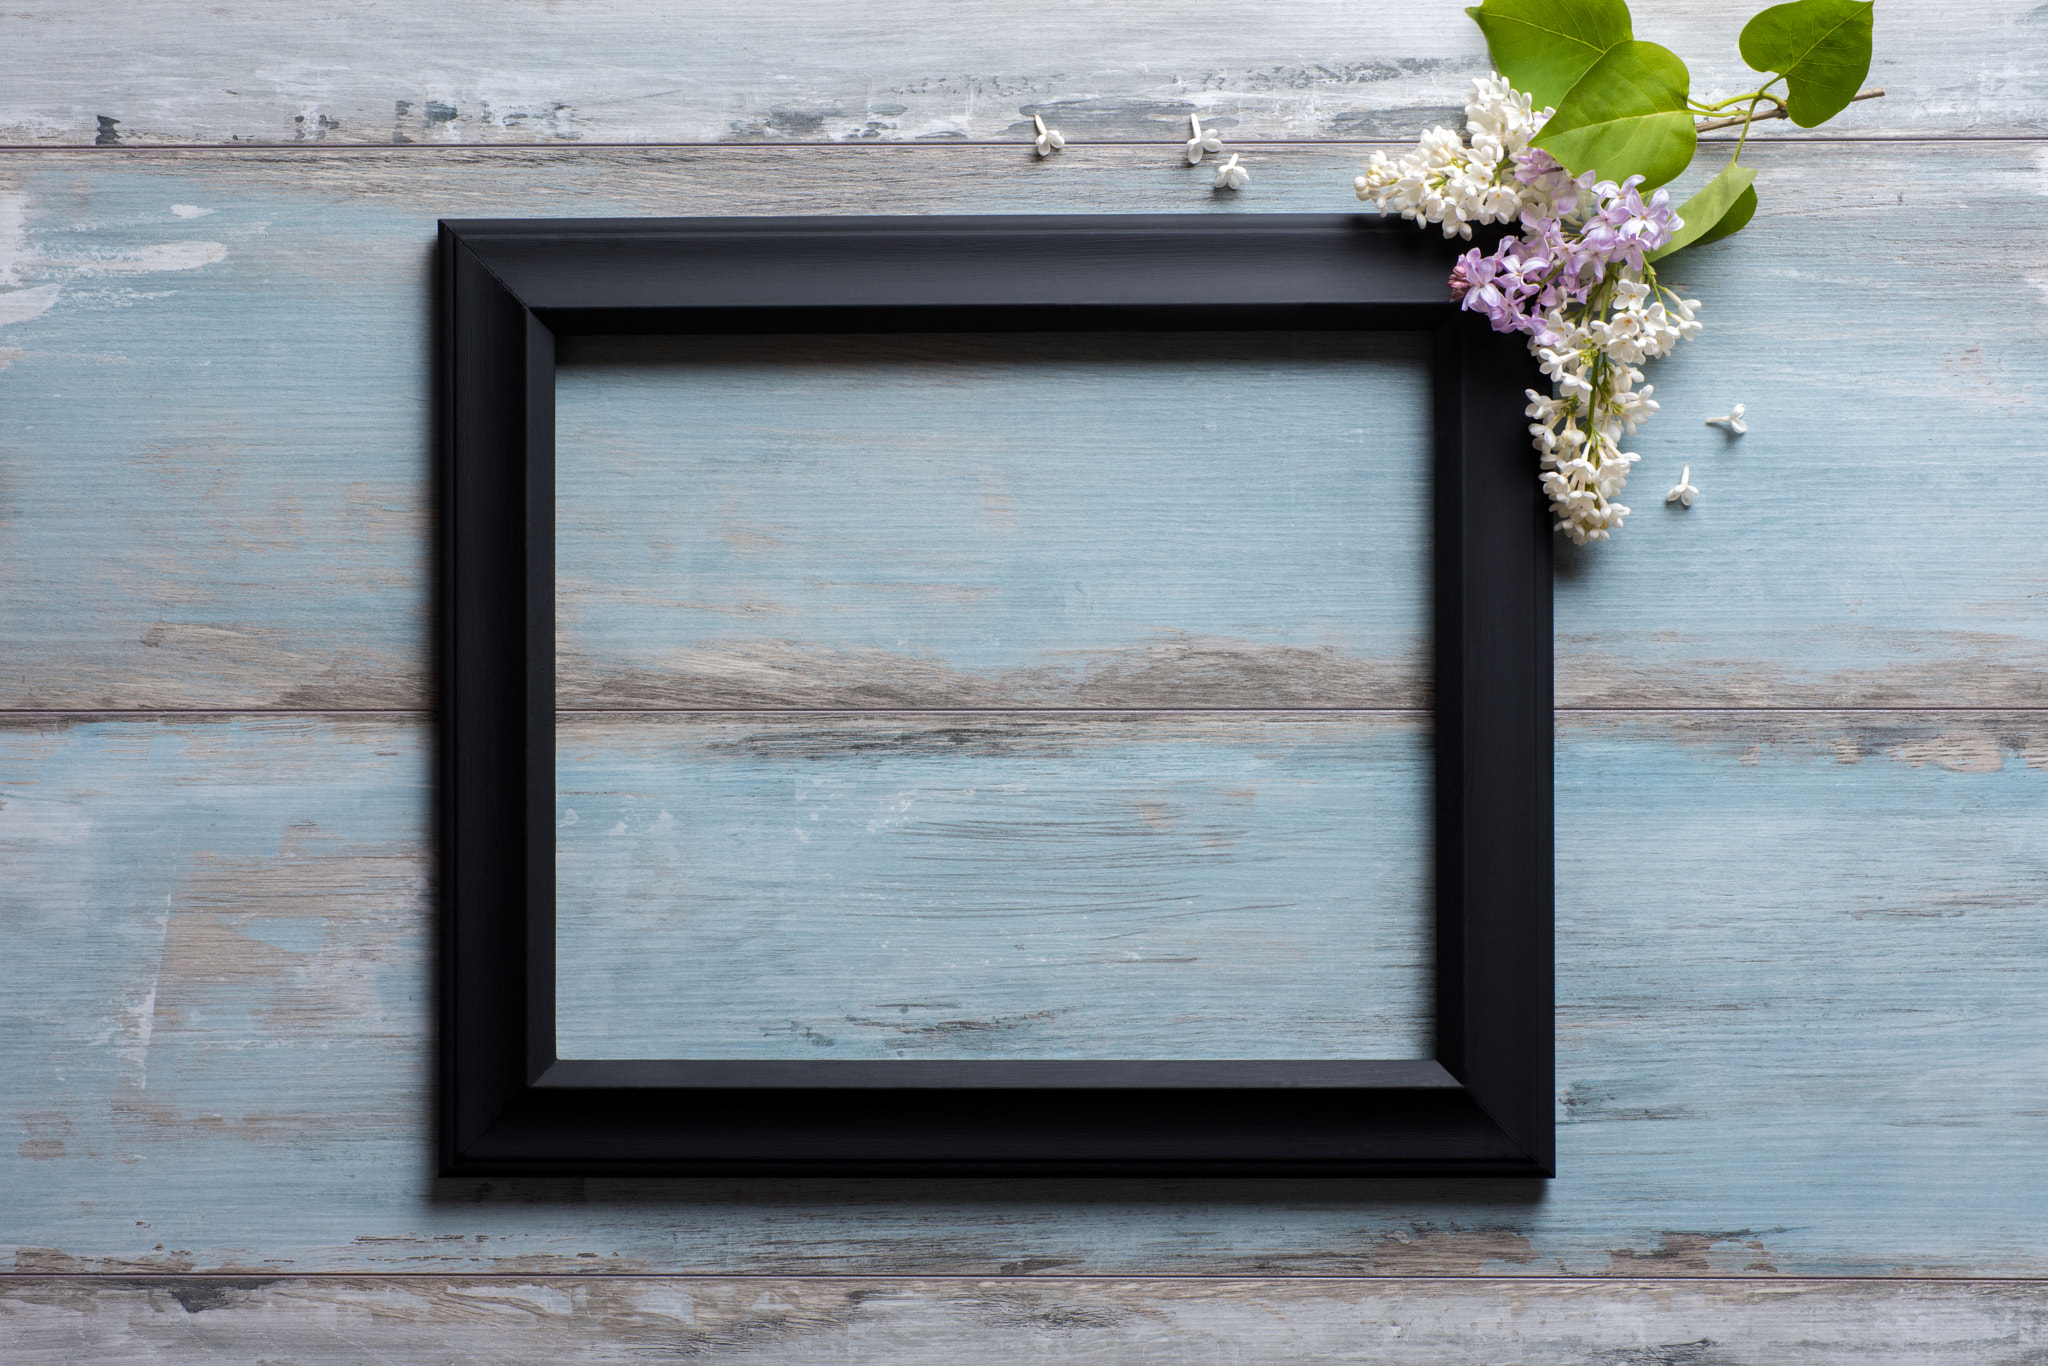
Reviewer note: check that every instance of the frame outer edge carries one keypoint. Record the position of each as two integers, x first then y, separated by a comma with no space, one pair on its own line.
1503,1018
447,876
1492,560
486,625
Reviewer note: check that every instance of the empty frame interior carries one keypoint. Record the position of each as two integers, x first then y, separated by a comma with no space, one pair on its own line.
1054,695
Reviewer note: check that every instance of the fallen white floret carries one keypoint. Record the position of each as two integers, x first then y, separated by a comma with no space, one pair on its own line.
1049,139
1732,421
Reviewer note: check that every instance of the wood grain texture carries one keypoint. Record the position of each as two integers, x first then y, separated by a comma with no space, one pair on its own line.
965,886
1800,957
903,1320
154,71
1001,521
1799,1027
212,502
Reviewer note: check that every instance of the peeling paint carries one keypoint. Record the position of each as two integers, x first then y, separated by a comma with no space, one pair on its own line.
1680,1252
1424,1249
1959,752
199,1296
901,1319
20,305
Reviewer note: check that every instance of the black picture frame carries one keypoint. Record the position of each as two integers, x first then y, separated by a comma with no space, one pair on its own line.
508,1106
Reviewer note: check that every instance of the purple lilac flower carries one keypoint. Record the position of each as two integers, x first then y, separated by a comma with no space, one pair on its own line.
1499,284
1553,264
1536,168
1533,163
1550,239
1623,227
1541,333
1461,279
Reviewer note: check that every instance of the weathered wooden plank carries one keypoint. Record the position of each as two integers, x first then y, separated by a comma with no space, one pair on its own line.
1799,960
219,461
639,71
1035,521
960,885
594,1318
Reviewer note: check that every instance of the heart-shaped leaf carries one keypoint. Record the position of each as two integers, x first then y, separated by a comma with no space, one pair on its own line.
1544,46
1716,204
1625,116
1820,47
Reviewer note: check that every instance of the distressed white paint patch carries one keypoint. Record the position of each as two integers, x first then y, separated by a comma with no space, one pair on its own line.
29,823
2040,280
145,260
75,297
13,217
141,1027
142,1022
19,305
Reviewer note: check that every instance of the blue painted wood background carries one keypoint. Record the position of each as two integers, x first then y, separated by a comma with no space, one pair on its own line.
1802,737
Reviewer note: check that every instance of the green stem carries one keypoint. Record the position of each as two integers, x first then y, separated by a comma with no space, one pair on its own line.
1732,100
1663,292
1749,115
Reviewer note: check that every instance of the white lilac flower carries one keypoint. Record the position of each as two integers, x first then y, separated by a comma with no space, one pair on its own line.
1453,182
1501,115
1682,310
1583,467
1379,180
1732,421
1685,492
1632,409
1202,141
1049,139
1231,176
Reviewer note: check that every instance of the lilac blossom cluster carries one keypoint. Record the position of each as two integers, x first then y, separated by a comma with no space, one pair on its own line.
1577,281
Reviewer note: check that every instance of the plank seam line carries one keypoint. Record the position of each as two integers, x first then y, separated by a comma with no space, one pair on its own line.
1025,1278
1278,144
1242,711
145,713
993,711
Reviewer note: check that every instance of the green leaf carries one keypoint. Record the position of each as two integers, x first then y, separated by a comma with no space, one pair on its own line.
1544,46
1820,47
1734,221
1625,116
1707,212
